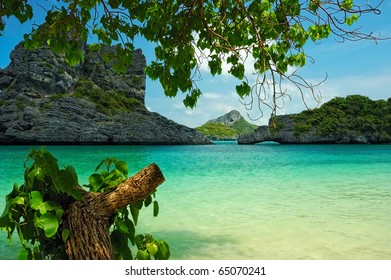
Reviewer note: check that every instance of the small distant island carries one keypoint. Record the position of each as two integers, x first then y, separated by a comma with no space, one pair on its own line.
227,127
354,119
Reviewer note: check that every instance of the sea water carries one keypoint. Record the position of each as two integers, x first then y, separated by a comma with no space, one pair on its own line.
248,202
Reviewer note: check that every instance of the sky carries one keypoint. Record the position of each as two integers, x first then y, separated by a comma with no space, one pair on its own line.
362,67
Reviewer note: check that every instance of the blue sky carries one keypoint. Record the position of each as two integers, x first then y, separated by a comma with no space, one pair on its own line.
362,67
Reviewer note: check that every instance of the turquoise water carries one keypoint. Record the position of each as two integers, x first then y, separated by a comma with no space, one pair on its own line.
250,202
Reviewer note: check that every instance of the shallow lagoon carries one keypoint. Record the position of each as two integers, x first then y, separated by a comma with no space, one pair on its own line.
250,202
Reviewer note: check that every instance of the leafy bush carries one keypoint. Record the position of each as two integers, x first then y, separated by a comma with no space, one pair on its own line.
36,210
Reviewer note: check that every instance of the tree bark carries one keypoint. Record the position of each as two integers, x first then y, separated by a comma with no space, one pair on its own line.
88,219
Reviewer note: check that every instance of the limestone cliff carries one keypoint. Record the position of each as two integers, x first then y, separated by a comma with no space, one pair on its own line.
43,100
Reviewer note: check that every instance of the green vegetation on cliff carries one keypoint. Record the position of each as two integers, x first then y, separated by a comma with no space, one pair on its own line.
342,116
241,126
217,130
107,102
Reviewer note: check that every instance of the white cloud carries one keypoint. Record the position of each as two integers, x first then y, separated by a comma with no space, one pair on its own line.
375,86
211,95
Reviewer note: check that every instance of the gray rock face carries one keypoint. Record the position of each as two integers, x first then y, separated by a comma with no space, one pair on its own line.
261,134
131,84
38,104
228,119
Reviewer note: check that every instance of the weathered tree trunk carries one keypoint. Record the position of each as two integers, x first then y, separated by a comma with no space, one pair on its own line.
88,219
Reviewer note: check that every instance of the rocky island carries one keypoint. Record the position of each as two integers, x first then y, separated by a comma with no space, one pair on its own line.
355,119
226,127
43,100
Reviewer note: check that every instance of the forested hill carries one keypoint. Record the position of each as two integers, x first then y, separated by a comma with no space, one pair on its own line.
226,127
351,119
353,114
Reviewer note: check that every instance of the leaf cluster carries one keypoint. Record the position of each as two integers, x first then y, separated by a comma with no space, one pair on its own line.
35,210
271,34
19,9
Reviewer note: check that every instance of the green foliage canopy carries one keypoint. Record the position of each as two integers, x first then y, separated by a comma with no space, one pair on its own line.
272,33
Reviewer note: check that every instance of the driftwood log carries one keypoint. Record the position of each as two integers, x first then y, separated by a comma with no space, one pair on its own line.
88,219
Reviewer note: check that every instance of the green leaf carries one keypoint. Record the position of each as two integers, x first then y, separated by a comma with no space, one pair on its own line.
155,208
120,245
96,181
11,199
47,161
352,19
215,65
131,229
121,225
65,234
104,173
138,205
48,206
72,172
318,32
35,200
164,251
95,47
237,70
62,181
139,240
7,224
23,254
347,5
134,211
48,222
59,213
243,90
314,5
122,167
148,201
76,194
18,200
113,176
191,99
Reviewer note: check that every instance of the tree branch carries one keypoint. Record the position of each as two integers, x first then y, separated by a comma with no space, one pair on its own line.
88,220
